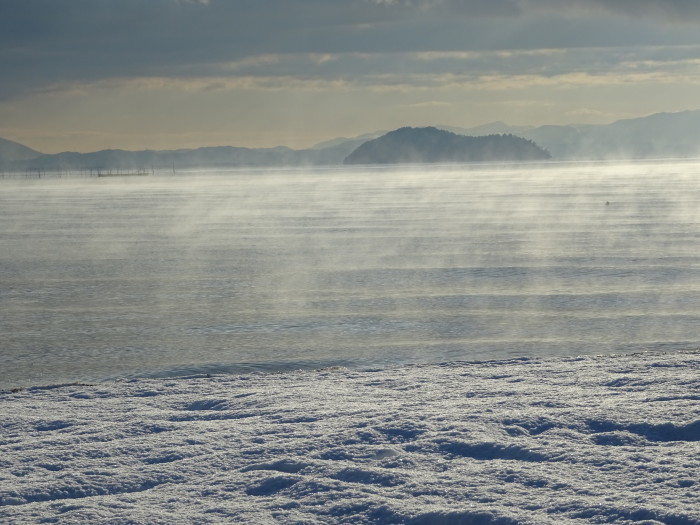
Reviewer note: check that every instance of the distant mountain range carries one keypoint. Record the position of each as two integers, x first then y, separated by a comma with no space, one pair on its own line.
661,135
331,153
11,151
424,145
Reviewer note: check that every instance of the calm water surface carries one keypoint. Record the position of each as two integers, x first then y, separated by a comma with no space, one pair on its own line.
241,271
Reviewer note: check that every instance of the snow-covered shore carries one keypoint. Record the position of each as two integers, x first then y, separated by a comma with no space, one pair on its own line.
612,439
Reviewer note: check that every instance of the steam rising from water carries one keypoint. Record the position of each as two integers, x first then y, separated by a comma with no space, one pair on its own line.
244,271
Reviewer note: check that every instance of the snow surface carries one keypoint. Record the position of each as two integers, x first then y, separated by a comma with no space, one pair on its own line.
613,439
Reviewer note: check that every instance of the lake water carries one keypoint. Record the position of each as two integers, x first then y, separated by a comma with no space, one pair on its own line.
242,271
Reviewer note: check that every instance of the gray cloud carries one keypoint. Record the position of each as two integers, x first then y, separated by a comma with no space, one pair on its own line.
669,10
44,42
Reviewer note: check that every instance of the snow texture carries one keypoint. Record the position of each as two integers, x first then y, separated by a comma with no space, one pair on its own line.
612,439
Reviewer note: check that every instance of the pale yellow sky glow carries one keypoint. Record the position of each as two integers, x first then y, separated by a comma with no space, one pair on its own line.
253,77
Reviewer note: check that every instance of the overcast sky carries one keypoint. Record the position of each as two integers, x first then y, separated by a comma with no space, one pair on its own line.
83,75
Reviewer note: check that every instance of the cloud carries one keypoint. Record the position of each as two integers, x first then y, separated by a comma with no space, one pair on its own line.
54,48
46,41
430,104
406,71
687,11
588,114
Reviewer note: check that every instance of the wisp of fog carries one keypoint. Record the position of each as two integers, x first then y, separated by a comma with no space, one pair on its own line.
267,270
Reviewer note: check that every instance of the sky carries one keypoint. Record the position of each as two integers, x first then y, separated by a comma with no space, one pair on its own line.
84,75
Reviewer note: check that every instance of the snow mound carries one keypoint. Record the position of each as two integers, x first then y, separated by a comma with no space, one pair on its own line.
612,439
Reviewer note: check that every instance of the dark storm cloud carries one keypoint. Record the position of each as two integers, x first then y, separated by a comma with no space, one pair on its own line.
45,42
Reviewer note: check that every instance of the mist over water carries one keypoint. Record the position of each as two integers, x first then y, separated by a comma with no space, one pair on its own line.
241,271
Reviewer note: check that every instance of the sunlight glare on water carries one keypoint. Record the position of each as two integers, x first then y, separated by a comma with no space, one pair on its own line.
241,271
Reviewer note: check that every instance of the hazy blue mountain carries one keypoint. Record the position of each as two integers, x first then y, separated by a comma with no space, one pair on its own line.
207,157
334,151
491,128
655,136
346,142
424,145
12,151
661,135
218,156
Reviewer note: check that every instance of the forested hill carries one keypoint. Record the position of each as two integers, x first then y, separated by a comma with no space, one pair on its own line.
424,145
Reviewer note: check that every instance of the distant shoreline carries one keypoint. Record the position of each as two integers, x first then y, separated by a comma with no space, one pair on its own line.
440,166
